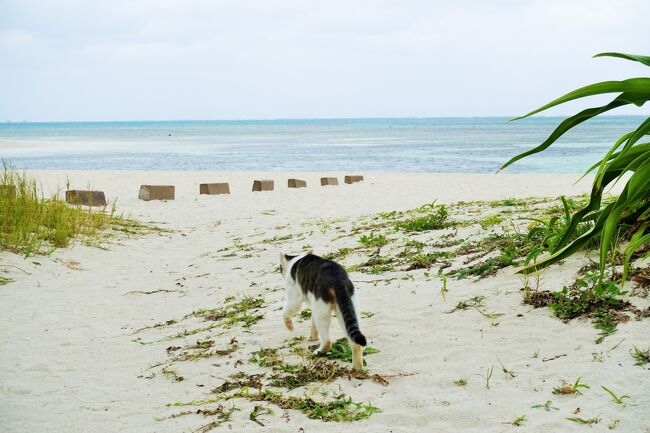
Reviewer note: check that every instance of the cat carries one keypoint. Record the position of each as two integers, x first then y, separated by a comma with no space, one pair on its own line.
325,285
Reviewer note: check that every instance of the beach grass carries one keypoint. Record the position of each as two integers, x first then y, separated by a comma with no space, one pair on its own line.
32,224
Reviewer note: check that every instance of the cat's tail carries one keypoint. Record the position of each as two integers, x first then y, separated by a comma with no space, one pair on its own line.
346,307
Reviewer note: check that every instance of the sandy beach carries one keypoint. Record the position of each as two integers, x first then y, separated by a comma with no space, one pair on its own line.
75,356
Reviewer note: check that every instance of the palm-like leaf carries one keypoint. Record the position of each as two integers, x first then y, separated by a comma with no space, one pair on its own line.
627,155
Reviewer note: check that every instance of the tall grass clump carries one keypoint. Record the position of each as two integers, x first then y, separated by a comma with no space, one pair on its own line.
625,218
32,224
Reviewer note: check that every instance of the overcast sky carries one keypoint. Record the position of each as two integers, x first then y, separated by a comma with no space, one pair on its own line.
184,59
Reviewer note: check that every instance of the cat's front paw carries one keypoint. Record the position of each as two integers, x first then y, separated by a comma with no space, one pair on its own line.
288,323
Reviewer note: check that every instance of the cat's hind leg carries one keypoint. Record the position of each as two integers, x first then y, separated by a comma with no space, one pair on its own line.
357,356
291,307
313,334
357,351
322,316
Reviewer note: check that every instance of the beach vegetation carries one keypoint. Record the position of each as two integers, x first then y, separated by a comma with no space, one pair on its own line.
435,219
340,409
548,406
628,161
518,421
172,374
477,301
582,421
642,357
487,377
277,239
571,388
218,415
443,287
600,300
203,349
373,240
257,412
612,425
617,399
490,221
509,373
376,265
485,268
305,314
339,254
291,376
245,311
266,357
32,224
405,244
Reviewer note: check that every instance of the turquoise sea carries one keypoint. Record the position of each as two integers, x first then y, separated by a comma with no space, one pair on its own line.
395,145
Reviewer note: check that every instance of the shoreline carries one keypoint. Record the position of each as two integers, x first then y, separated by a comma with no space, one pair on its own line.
378,192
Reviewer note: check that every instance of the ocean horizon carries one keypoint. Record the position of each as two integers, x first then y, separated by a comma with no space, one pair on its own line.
437,144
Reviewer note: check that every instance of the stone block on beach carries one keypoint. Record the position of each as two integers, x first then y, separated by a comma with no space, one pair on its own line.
157,192
297,183
86,198
353,179
214,188
324,181
263,185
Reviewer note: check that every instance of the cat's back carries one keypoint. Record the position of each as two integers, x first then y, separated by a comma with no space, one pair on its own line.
313,267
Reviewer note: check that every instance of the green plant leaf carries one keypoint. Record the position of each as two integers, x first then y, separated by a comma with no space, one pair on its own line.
566,125
636,58
637,90
636,241
636,189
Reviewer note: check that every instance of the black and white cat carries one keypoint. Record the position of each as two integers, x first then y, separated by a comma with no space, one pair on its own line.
326,287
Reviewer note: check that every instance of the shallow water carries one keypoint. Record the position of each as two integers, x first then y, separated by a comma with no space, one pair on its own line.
396,145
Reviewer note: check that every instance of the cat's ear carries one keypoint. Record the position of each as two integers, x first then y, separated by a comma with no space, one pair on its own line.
311,251
282,258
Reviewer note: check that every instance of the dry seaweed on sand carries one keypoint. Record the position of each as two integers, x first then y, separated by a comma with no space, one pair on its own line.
219,415
316,370
239,381
341,408
202,349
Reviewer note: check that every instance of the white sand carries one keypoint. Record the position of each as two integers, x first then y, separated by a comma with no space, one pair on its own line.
68,362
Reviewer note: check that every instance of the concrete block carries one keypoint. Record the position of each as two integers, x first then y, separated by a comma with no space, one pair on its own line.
86,198
157,192
324,181
263,185
297,183
353,179
214,188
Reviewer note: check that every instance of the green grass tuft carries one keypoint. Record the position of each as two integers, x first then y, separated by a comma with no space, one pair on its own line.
435,220
32,224
641,357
